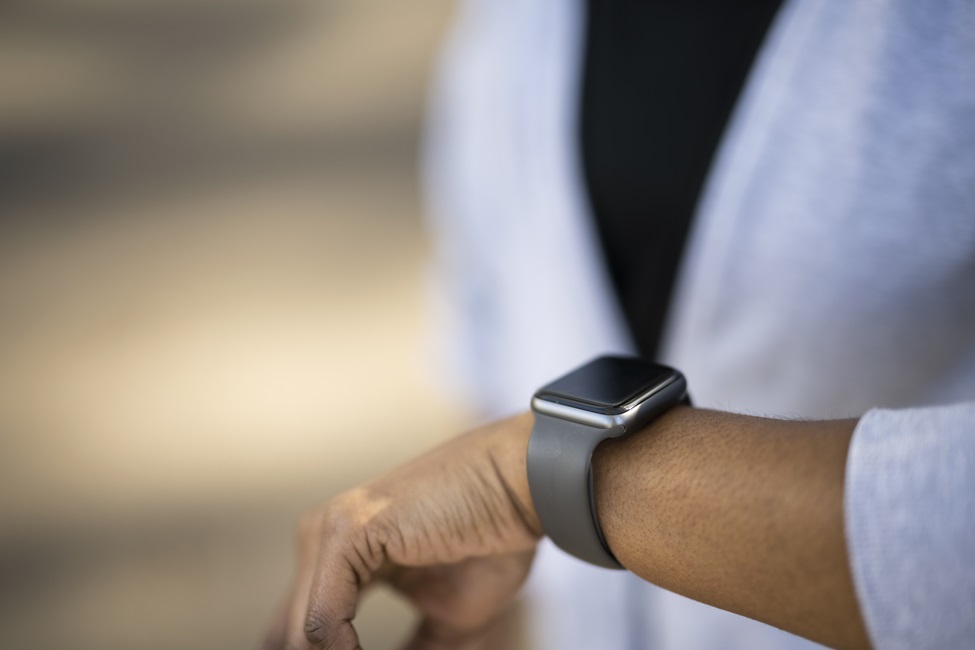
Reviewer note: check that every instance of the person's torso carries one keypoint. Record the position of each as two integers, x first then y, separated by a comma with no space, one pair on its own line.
830,266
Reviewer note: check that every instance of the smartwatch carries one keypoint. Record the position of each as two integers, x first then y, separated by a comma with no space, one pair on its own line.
605,398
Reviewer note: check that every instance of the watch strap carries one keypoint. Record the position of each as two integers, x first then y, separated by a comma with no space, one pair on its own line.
560,480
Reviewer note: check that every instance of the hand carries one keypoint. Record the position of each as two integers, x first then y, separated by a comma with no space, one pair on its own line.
454,531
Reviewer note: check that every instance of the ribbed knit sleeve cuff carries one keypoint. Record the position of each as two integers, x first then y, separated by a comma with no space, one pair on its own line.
910,525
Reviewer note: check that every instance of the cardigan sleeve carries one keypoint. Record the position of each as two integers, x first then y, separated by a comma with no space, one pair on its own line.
910,525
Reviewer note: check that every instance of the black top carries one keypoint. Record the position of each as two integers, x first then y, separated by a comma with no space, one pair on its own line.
660,80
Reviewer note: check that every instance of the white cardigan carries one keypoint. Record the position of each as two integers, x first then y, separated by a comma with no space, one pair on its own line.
830,272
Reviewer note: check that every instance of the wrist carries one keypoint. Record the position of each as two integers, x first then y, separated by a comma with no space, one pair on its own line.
508,452
614,471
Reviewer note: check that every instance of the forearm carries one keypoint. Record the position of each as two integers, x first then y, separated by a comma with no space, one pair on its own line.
742,513
738,512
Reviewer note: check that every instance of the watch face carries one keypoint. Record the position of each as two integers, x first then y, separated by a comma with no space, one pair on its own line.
607,384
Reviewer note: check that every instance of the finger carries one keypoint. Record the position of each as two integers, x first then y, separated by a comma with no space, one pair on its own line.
468,595
437,635
338,578
309,539
274,640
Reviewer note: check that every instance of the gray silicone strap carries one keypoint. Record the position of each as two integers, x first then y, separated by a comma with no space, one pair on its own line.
560,480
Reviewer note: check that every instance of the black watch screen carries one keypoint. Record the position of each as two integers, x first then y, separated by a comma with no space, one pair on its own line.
608,384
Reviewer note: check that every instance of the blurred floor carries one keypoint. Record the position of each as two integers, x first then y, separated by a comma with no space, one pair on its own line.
211,264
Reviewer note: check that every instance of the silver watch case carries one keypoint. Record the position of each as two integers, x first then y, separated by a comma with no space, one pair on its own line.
636,414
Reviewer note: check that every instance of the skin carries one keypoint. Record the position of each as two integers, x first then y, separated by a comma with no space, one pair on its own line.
739,512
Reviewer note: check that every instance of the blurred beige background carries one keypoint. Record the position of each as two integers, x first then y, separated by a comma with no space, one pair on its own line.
211,263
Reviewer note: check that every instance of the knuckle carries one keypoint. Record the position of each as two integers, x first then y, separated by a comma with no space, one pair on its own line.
338,636
340,517
327,634
317,629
